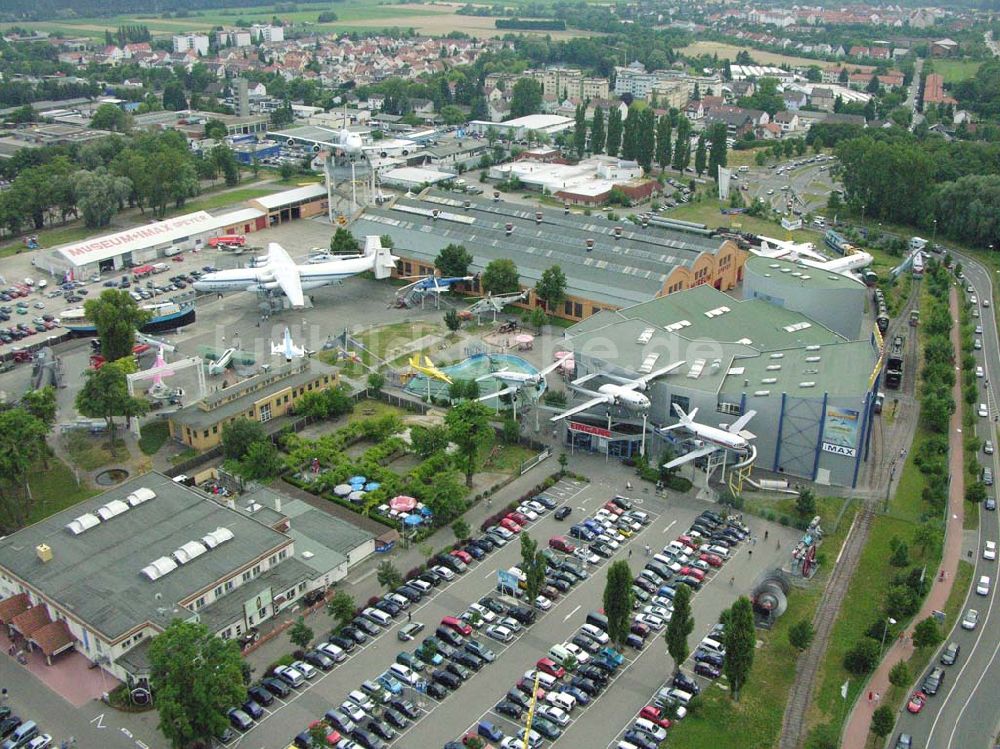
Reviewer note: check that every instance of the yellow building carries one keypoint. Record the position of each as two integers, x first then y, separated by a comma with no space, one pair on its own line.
261,398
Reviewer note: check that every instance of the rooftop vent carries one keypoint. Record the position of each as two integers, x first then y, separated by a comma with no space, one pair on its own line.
814,347
796,327
158,568
111,509
140,495
813,358
762,393
807,384
772,367
777,355
768,380
745,341
44,552
83,522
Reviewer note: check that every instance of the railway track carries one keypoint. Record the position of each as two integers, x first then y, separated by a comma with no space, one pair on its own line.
793,723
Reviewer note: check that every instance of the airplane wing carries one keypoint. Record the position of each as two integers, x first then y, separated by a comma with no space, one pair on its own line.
497,394
737,426
551,368
646,379
582,407
286,273
491,375
693,455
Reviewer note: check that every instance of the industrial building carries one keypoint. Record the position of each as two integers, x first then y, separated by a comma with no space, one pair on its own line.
607,266
588,182
834,300
263,397
107,575
192,122
519,127
813,390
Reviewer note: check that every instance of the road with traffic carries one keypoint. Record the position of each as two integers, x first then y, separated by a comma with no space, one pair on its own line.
808,184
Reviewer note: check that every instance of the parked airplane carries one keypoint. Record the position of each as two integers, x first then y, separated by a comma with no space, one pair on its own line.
277,270
624,394
520,379
288,349
428,368
730,437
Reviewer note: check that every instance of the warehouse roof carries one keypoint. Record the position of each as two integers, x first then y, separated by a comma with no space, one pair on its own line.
103,547
840,369
288,197
617,272
800,276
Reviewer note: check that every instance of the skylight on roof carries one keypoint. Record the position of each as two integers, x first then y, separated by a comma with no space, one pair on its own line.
111,509
795,327
696,369
159,567
646,335
647,364
140,495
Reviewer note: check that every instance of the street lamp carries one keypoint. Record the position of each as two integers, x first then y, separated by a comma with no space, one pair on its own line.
889,622
934,236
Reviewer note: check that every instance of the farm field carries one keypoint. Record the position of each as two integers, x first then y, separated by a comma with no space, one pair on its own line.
954,71
353,15
764,58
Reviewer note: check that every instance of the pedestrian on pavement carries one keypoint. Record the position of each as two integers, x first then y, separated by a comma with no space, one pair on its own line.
628,485
647,550
765,535
750,552
629,553
409,616
877,697
871,696
732,580
779,543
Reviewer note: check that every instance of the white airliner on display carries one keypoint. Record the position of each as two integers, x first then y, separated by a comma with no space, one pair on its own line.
519,379
288,349
277,270
730,437
626,394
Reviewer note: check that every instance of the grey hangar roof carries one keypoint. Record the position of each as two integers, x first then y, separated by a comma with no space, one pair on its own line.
618,272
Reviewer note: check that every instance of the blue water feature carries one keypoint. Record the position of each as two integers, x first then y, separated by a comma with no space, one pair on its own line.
472,368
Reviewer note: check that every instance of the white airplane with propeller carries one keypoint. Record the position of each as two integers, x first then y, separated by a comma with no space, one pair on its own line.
622,392
731,437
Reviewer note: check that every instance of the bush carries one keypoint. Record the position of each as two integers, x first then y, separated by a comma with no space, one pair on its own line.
826,736
899,675
927,634
862,658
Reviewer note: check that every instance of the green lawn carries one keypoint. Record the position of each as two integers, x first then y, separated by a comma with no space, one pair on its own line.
755,721
222,199
954,71
706,211
153,436
89,452
48,238
54,488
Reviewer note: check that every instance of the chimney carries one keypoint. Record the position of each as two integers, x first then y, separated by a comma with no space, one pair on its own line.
509,229
590,244
618,232
565,208
466,204
434,214
496,196
44,552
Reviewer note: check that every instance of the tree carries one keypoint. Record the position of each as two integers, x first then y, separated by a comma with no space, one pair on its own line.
682,148
376,381
501,277
598,135
343,242
663,150
216,129
99,194
452,115
427,440
300,633
801,634
525,98
104,395
580,130
116,317
630,134
740,640
388,576
863,657
900,556
883,721
843,76
551,287
110,117
173,97
239,434
926,536
452,321
533,565
681,625
41,404
927,633
341,608
22,446
899,675
261,461
646,139
563,462
717,155
469,428
614,131
453,261
700,156
618,600
805,504
461,529
196,678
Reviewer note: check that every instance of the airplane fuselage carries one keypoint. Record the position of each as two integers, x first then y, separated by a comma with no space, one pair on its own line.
312,276
624,396
716,436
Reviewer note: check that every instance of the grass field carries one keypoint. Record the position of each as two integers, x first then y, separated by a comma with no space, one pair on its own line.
353,15
153,436
220,200
954,71
55,489
730,51
707,212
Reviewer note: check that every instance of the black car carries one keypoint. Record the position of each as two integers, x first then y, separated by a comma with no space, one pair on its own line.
474,551
347,644
518,697
8,725
446,679
523,615
381,729
319,660
252,708
436,691
640,739
692,582
950,654
430,578
563,512
277,687
366,626
510,709
410,593
458,669
390,607
686,683
602,550
449,636
468,660
354,633
261,695
493,605
547,502
486,543
546,728
585,685
367,739
559,584
593,673
707,656
586,643
645,584
406,707
634,641
395,718
703,668
933,681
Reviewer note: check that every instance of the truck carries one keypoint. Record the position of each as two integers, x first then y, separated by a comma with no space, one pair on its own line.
160,267
228,240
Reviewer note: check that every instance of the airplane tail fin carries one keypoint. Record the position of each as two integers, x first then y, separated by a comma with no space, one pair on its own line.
684,417
383,261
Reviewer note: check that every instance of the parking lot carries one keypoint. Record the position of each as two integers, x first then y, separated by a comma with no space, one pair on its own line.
597,725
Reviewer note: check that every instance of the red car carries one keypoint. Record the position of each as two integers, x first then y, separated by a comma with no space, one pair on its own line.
178,258
640,629
712,560
517,517
653,714
463,555
510,525
457,625
333,737
688,541
612,507
550,667
694,572
917,702
559,543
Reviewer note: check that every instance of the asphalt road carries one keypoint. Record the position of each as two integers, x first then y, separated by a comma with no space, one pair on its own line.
799,181
963,714
592,727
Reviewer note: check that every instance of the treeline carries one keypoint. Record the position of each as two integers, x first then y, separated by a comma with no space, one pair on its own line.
896,177
149,171
654,49
132,34
531,24
13,11
981,93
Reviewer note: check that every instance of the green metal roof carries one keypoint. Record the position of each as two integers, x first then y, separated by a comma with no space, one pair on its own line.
840,369
799,275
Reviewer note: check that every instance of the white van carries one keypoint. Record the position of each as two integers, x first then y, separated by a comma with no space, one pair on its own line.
545,681
648,726
713,645
562,700
595,633
559,654
160,267
422,585
333,651
681,696
404,673
377,616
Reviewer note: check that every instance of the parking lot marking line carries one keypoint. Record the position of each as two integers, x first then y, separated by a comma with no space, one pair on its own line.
565,618
489,575
672,524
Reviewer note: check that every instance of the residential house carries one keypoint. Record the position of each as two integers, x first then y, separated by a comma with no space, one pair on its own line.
822,98
787,121
944,48
794,100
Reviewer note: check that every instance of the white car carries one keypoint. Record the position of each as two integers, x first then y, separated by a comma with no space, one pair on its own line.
978,344
502,532
543,603
980,373
563,700
581,655
662,601
650,620
582,552
612,542
499,633
291,676
647,726
402,601
983,411
595,633
536,506
656,610
527,512
988,447
361,700
971,619
983,586
979,330
484,613
352,710
556,714
990,550
305,669
443,572
510,623
719,551
39,742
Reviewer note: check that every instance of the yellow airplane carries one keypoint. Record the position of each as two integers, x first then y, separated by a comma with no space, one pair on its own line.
428,368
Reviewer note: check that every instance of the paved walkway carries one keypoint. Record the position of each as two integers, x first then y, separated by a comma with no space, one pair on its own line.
856,731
